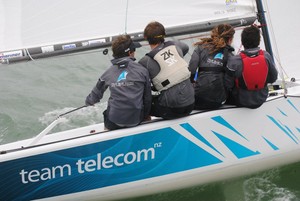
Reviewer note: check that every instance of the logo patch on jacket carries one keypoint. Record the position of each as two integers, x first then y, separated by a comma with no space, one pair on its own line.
122,76
219,56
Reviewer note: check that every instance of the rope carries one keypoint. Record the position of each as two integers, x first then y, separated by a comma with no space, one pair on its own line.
51,126
29,54
280,68
71,111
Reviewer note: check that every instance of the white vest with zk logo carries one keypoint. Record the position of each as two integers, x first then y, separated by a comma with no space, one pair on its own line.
173,68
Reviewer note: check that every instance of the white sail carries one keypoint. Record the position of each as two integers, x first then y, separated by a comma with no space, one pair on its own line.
33,23
284,30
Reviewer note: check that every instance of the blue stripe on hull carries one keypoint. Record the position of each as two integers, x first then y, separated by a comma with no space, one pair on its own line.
101,164
239,150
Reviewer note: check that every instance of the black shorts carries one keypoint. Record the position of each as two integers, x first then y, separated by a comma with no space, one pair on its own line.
167,112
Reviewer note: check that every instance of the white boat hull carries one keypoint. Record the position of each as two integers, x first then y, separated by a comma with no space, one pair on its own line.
88,164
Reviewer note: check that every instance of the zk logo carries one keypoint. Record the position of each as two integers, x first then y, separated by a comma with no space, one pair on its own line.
169,57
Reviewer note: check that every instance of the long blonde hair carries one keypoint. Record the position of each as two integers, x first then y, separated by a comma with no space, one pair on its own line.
219,38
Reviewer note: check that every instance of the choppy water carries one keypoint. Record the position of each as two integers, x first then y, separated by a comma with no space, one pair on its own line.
34,93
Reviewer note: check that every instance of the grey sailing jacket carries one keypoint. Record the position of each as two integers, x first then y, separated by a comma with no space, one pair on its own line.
130,92
210,91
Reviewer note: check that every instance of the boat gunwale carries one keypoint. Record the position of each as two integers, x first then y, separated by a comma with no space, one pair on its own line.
195,112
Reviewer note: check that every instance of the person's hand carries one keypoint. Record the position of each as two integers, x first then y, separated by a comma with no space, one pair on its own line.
87,103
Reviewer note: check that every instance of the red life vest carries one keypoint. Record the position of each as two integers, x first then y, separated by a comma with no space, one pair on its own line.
255,71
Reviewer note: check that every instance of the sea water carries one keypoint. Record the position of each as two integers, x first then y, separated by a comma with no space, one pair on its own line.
34,93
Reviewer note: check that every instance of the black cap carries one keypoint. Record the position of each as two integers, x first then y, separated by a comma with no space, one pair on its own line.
133,46
137,44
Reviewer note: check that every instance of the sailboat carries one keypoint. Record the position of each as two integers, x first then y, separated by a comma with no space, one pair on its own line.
89,163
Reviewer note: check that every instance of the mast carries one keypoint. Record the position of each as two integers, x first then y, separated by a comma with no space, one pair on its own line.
262,19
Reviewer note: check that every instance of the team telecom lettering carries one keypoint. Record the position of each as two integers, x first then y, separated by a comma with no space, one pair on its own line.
86,166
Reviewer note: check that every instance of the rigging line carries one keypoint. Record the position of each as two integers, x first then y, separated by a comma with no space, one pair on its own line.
282,72
275,57
126,15
29,54
275,43
280,66
272,29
